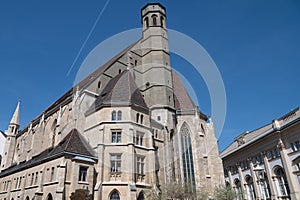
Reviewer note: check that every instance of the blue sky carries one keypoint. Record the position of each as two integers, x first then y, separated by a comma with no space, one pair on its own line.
254,43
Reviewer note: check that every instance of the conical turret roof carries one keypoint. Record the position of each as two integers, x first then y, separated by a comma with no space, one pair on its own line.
16,116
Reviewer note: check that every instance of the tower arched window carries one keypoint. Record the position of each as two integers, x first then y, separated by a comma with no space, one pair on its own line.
187,157
114,196
119,115
113,116
142,118
147,22
154,20
162,21
137,117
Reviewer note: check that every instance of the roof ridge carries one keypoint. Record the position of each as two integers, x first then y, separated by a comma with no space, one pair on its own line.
70,136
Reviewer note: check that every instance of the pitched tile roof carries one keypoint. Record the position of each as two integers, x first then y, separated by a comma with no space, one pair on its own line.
121,89
73,143
181,97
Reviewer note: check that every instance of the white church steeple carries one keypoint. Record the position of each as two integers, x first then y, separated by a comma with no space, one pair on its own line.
9,148
15,120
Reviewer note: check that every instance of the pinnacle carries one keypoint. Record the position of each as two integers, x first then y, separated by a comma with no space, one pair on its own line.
16,117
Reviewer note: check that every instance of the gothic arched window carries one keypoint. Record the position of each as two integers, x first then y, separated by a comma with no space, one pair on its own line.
187,157
137,117
114,196
113,116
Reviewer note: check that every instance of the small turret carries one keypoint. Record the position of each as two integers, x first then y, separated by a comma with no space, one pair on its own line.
10,143
15,121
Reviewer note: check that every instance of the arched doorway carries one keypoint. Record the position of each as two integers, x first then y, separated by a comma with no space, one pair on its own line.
141,196
49,197
114,195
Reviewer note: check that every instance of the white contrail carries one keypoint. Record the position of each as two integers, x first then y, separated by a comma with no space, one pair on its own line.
88,36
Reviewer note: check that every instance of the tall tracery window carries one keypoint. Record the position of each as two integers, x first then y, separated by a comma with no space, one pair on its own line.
249,188
281,182
187,157
114,196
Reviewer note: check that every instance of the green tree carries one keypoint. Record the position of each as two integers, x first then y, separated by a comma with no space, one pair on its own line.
223,192
174,191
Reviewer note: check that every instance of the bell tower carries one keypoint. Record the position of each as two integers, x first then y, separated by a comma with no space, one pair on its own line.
157,85
10,143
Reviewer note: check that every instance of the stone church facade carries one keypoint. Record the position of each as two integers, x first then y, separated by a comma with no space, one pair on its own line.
130,126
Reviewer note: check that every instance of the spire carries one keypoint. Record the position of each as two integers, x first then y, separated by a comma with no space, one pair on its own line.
16,117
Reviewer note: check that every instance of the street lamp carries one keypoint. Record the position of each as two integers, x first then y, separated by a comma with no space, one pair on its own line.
260,175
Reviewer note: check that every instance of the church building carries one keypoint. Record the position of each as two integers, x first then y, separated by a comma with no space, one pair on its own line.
127,128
